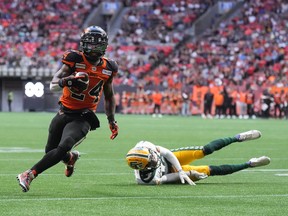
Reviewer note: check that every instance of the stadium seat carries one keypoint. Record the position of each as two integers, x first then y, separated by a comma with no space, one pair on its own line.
4,71
47,72
33,72
18,71
11,72
24,71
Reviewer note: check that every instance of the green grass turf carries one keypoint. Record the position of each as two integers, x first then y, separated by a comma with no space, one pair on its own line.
104,185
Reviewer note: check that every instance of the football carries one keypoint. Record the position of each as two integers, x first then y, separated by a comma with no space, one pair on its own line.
83,76
81,83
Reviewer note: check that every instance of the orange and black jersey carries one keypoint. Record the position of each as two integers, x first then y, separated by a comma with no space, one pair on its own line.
98,76
249,99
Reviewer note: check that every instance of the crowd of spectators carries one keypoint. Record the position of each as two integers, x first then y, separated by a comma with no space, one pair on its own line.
252,45
34,34
149,32
159,22
248,51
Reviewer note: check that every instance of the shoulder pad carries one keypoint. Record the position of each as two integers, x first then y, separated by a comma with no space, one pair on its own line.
111,65
72,56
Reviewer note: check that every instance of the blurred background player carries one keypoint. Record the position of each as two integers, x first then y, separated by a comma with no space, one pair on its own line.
157,165
185,106
218,101
233,95
208,101
157,100
279,100
78,103
250,101
285,104
242,105
266,103
10,98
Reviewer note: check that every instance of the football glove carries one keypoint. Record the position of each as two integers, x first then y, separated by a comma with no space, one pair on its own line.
77,83
184,177
114,129
198,175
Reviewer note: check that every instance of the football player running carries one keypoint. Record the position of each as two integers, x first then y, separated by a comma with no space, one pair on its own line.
84,75
157,165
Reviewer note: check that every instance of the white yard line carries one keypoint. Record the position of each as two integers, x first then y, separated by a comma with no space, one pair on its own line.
78,173
129,173
144,197
265,170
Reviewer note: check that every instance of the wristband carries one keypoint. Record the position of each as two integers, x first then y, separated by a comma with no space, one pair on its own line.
60,83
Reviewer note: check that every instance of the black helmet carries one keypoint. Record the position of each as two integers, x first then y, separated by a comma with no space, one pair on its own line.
94,41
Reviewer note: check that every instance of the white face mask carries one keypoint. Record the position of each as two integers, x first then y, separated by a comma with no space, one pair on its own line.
154,160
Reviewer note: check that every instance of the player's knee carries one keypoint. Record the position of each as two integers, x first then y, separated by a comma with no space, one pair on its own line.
49,147
60,152
67,143
207,150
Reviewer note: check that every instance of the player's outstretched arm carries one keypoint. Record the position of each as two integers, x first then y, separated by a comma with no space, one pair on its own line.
174,177
174,161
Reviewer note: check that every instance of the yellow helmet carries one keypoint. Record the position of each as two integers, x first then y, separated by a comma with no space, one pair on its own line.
142,158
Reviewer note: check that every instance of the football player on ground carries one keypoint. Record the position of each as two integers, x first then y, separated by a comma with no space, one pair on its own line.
82,78
157,165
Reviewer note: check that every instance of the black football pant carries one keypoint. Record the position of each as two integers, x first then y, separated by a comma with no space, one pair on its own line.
65,132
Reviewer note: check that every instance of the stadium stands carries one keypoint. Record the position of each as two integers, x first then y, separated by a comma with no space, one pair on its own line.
246,51
35,34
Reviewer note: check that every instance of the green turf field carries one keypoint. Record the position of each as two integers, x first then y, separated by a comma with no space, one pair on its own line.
104,185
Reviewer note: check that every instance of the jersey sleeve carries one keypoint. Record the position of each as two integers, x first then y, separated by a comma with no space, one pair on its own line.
170,157
71,57
112,66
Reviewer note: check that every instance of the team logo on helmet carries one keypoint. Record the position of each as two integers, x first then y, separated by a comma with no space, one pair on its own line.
142,158
138,158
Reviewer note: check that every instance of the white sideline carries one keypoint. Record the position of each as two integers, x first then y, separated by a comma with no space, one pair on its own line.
144,197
